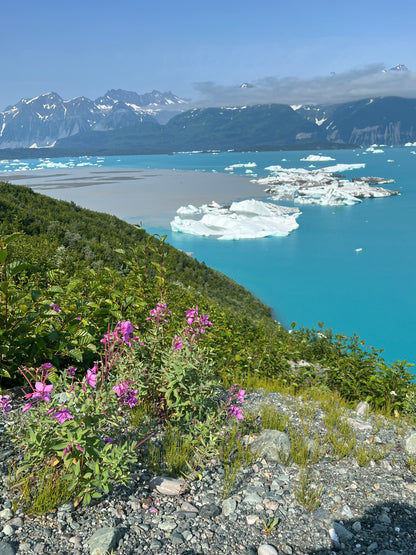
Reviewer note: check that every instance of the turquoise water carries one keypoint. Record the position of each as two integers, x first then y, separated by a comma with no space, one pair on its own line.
315,274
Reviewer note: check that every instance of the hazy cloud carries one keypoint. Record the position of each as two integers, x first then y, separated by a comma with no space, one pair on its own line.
369,81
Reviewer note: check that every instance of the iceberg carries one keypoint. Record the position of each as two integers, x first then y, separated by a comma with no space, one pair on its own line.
316,158
324,186
247,219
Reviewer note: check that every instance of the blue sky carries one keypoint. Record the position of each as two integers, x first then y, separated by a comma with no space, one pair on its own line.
204,50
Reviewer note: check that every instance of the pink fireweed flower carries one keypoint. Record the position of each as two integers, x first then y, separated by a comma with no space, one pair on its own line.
159,313
27,407
5,403
240,395
177,343
62,415
47,366
122,388
235,411
41,392
91,377
108,440
55,307
130,398
71,371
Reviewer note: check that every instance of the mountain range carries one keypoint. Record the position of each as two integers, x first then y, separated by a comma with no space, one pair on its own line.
127,122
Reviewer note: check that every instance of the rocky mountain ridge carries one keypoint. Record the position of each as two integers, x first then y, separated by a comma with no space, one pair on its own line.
43,120
124,121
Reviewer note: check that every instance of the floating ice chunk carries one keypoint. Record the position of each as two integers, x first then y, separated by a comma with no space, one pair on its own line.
409,144
190,209
317,158
242,220
343,168
374,150
247,165
358,250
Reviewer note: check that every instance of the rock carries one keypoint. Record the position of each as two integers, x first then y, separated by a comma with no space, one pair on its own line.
210,510
363,408
167,486
8,530
267,549
359,425
252,519
176,538
272,445
187,507
409,444
342,533
252,499
104,540
384,519
6,549
356,526
167,526
6,514
229,506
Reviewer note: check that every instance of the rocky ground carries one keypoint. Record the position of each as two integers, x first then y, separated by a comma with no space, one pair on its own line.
369,509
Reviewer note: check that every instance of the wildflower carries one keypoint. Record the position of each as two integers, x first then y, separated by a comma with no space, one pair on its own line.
55,307
5,403
27,407
41,392
240,395
154,511
47,366
108,440
62,415
122,388
71,371
91,377
177,343
236,412
159,313
393,393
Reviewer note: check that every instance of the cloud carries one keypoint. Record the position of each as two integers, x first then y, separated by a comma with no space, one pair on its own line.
355,84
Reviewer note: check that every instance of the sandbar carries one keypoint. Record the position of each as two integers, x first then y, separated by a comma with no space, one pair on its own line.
148,196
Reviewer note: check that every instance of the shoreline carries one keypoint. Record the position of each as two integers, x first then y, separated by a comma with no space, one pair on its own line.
147,195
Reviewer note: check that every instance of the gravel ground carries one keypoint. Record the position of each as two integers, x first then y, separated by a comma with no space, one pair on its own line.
370,509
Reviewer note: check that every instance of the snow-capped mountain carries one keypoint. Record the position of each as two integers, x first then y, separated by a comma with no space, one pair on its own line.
43,120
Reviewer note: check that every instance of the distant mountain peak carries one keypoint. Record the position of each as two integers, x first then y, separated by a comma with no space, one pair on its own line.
399,67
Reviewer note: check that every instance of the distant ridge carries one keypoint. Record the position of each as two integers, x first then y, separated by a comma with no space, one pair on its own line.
125,122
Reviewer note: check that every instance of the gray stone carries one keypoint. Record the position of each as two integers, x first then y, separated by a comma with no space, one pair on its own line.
267,549
6,514
272,445
229,506
372,547
342,532
252,499
167,525
6,549
362,409
167,486
188,507
177,538
8,530
359,425
356,526
155,545
104,540
387,552
209,510
409,444
252,519
385,519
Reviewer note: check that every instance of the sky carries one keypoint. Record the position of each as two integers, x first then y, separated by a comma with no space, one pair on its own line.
301,51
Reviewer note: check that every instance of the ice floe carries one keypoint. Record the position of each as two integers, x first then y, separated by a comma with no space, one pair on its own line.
324,186
317,158
247,219
234,166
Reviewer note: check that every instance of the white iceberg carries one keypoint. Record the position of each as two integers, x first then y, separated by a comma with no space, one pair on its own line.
317,158
324,186
247,165
248,219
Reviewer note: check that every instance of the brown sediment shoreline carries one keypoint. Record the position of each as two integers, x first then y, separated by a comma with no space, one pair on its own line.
147,195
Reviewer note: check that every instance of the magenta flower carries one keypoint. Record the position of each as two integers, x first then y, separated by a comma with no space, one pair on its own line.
122,388
91,377
27,407
47,366
5,403
41,392
108,440
177,343
236,412
55,307
240,395
62,415
71,371
159,313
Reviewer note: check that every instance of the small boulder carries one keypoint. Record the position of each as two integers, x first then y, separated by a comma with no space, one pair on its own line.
272,445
